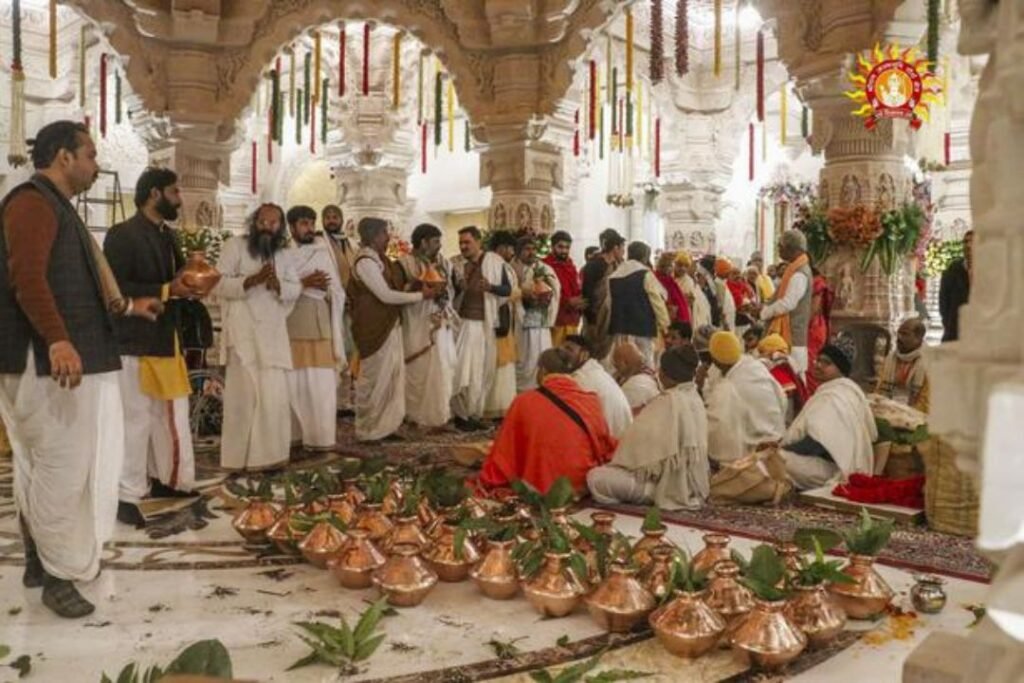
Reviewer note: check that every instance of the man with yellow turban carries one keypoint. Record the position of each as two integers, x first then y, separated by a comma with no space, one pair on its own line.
774,353
746,406
700,308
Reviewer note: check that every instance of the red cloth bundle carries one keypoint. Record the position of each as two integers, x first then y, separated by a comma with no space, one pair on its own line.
863,488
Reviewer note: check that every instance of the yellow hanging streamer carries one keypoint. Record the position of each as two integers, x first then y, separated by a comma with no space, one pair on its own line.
783,112
451,114
718,37
316,66
53,38
396,71
629,50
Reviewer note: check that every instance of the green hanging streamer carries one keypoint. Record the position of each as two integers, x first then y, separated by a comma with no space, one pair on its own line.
323,109
600,141
117,96
279,122
437,110
933,33
306,88
275,104
629,115
804,124
467,135
615,101
298,117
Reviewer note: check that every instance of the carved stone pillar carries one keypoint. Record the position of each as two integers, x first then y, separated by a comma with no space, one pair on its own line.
372,191
690,210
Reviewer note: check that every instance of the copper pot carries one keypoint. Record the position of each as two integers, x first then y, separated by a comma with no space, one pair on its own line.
442,558
651,540
373,521
621,601
560,518
342,508
405,530
255,519
315,507
322,542
282,535
603,522
425,513
554,590
496,575
789,553
354,493
686,626
727,596
356,560
436,527
393,499
868,595
199,274
817,614
716,549
404,579
656,576
766,638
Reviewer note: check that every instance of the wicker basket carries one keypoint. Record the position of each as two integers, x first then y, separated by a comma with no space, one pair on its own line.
950,499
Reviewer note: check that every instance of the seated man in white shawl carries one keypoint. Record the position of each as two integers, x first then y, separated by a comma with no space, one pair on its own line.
833,435
746,406
663,456
592,376
638,380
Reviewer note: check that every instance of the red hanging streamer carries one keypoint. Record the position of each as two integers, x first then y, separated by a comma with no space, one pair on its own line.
103,95
657,147
576,136
760,76
423,147
255,159
341,59
592,119
366,58
946,142
750,170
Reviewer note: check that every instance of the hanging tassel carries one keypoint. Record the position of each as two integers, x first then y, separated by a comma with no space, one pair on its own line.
576,135
738,44
608,71
419,88
760,76
947,148
718,37
438,113
423,147
396,71
764,142
292,85
366,58
275,103
17,151
682,37
53,39
620,135
657,147
629,121
103,94
270,133
640,119
279,124
323,111
805,129
252,168
317,46
656,58
592,118
117,96
298,118
600,144
750,152
451,114
933,33
783,113
307,86
614,87
466,137
81,66
312,128
629,50
341,59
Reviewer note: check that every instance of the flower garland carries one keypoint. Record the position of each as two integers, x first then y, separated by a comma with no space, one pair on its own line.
17,151
940,254
682,37
656,58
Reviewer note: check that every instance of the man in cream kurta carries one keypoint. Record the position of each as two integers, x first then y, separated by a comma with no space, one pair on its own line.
427,334
315,333
535,315
663,456
344,250
257,290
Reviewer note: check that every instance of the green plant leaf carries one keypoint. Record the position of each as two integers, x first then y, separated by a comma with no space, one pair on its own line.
804,539
560,494
575,673
4,651
368,647
205,658
652,520
578,566
23,665
541,676
612,675
369,619
348,640
311,658
562,641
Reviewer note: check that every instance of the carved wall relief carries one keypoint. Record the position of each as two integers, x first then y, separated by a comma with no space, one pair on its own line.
524,217
499,219
850,193
886,200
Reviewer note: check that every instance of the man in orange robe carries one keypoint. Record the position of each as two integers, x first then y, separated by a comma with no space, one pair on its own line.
555,430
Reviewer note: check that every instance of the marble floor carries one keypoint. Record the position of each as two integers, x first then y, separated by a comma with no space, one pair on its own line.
156,596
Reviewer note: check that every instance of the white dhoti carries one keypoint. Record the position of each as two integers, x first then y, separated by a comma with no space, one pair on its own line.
428,382
157,438
257,424
314,404
808,471
380,390
609,485
68,450
531,341
502,393
475,369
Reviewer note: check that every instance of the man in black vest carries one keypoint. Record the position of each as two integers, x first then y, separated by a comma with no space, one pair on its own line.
59,393
638,310
144,256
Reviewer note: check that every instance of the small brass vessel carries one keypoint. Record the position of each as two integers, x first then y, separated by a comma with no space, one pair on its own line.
868,595
354,563
255,519
495,575
817,613
686,626
404,579
716,549
620,602
554,590
766,638
321,543
449,565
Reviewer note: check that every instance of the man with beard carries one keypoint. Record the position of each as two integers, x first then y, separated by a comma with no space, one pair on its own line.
570,301
427,332
594,284
535,312
257,289
315,331
904,374
344,252
144,256
503,388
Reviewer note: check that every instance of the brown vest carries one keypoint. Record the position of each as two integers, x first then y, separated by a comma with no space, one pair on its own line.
372,319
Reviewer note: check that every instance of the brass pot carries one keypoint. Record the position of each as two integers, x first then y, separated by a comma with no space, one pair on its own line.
620,602
321,543
405,530
656,575
727,596
554,590
425,513
927,594
282,535
686,626
315,507
255,519
443,515
817,614
373,521
341,507
354,493
766,638
356,560
716,549
651,540
404,579
393,499
560,518
199,274
868,595
789,553
442,558
496,575
603,522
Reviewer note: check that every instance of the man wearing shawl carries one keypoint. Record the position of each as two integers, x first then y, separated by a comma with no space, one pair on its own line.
725,298
832,436
592,376
700,308
789,312
638,310
678,306
638,380
904,376
594,285
553,431
570,301
536,311
663,457
774,353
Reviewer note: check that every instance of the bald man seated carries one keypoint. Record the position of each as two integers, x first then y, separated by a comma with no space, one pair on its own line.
904,374
638,380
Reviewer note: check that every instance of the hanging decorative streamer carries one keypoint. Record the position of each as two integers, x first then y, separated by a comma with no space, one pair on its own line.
279,124
760,76
613,86
270,134
317,47
629,121
291,84
307,86
718,37
750,152
81,66
423,147
298,118
592,118
682,37
312,128
946,148
53,39
419,88
341,59
451,114
252,168
783,113
738,45
656,57
764,142
366,58
933,33
103,94
466,131
17,152
396,71
657,147
117,96
805,128
600,127
640,119
275,101
763,220
437,106
608,70
629,50
620,134
323,111
576,135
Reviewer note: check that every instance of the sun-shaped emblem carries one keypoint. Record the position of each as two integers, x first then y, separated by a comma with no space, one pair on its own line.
890,84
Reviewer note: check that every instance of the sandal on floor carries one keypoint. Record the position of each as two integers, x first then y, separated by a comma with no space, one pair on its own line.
34,572
63,598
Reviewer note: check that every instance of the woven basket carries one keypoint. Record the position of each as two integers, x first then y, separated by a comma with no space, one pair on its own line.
5,445
950,500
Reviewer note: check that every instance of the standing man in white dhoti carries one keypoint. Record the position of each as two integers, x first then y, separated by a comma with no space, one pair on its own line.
344,250
536,311
60,399
258,288
315,332
427,332
481,285
377,299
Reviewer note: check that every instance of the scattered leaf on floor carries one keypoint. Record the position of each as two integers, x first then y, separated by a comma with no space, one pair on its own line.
978,611
222,592
563,641
4,651
505,649
398,646
159,607
23,665
14,611
98,624
388,611
279,574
